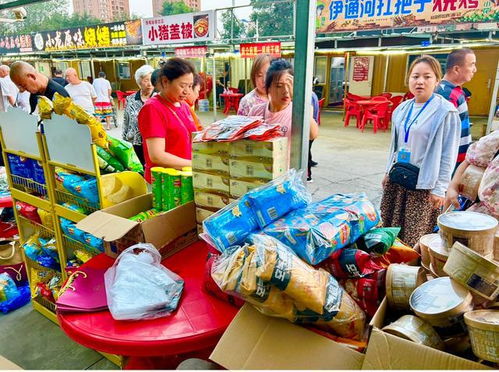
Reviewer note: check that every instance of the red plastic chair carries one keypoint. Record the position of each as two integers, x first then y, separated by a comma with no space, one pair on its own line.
377,114
387,95
380,98
355,97
352,109
407,96
321,105
397,100
233,90
121,98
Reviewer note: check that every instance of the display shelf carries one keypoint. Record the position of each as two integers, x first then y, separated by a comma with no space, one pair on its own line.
45,307
62,197
44,231
119,360
70,243
31,199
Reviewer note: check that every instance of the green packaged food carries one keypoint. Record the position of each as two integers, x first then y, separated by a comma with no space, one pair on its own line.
378,241
109,159
166,189
125,153
175,198
186,188
157,187
143,216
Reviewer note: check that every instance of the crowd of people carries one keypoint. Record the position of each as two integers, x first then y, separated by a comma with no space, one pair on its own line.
430,132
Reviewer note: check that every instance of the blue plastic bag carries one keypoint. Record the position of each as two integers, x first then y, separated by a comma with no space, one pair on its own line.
18,301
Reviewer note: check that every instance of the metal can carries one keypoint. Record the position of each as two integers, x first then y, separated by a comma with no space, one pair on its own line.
186,187
166,188
186,169
171,188
157,189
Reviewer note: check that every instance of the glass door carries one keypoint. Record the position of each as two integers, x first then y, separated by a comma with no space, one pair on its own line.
337,80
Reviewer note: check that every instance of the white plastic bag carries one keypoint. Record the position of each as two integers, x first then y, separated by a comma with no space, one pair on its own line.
139,287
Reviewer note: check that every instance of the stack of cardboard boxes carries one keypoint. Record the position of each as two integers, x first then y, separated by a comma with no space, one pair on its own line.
225,171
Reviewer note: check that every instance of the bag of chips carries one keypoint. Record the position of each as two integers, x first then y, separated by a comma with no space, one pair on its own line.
69,229
28,211
398,253
378,241
45,108
85,189
125,153
37,172
75,208
350,263
8,289
19,166
46,218
32,248
367,292
107,161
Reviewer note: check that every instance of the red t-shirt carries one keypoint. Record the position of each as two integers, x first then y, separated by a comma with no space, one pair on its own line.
161,119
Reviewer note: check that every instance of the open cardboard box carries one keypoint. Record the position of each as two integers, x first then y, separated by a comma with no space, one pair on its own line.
256,341
6,364
386,351
169,232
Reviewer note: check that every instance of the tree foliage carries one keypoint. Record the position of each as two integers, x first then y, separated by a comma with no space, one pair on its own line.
231,26
274,19
177,7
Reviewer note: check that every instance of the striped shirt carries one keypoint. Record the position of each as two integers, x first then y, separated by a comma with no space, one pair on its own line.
455,95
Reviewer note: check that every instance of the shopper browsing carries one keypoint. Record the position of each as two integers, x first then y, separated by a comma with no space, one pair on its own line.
28,79
133,106
191,99
258,95
423,151
461,66
81,92
165,120
8,89
104,101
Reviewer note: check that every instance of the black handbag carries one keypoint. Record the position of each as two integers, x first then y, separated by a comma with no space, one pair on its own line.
405,175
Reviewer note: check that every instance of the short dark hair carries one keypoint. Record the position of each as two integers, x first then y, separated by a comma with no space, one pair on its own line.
57,72
175,68
277,68
102,74
430,61
197,81
258,63
456,57
155,77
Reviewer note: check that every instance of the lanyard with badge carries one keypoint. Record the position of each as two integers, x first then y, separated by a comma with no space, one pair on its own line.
404,154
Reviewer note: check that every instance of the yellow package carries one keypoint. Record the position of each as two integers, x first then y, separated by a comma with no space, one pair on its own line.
46,218
61,104
40,276
44,108
82,255
99,135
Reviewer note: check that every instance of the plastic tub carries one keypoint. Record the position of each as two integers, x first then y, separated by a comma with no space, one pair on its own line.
470,182
416,330
473,271
401,281
496,245
442,303
424,243
474,230
438,256
483,326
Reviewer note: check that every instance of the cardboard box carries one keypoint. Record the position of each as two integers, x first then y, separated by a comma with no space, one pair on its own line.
202,214
257,169
256,341
386,351
211,148
210,200
277,147
6,364
210,163
240,187
211,182
200,229
169,231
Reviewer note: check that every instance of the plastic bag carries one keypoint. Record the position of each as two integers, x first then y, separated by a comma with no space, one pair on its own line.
108,161
32,248
85,189
19,166
398,253
45,108
46,218
37,172
378,241
125,153
18,301
28,211
270,276
8,289
230,128
367,292
350,263
139,287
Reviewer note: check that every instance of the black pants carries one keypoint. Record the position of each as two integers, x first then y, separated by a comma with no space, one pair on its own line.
309,169
139,150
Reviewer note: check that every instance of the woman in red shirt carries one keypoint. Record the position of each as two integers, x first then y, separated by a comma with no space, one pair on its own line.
165,120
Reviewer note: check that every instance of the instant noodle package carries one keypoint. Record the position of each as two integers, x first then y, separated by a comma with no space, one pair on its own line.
278,283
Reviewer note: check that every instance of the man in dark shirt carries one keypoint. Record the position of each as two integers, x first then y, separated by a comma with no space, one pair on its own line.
28,79
59,79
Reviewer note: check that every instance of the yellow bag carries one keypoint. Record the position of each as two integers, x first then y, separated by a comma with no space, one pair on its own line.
44,108
61,104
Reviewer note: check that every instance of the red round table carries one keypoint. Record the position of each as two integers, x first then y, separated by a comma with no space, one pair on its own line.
196,325
231,101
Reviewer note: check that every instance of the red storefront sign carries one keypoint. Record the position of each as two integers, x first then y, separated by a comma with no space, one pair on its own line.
254,49
360,69
191,52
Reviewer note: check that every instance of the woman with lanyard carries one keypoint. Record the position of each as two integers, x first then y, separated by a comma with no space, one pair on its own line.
424,146
165,121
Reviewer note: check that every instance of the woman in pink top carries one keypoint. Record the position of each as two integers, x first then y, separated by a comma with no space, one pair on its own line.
258,95
279,109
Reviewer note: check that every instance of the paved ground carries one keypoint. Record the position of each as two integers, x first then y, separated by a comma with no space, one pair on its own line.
349,161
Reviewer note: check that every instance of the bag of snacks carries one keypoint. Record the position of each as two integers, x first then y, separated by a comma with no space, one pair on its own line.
378,241
109,161
45,108
28,211
350,263
125,153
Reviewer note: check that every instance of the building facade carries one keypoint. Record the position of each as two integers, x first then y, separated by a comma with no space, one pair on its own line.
106,10
157,5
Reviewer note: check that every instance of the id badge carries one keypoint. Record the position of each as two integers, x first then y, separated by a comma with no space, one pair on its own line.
404,156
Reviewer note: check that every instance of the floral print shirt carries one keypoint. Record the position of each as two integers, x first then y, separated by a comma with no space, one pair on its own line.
248,101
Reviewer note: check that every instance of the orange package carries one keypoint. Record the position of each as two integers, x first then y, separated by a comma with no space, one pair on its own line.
399,252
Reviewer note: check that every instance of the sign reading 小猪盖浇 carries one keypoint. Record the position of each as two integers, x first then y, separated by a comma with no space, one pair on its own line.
345,15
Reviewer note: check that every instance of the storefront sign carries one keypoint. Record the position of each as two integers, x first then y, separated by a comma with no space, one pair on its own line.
254,49
16,44
180,28
107,35
360,69
344,15
191,52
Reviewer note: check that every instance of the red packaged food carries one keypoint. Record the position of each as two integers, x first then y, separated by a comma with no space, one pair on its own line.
367,292
350,263
28,211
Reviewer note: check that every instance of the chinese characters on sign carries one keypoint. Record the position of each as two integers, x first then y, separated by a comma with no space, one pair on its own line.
179,28
16,44
252,50
102,36
360,69
343,15
191,52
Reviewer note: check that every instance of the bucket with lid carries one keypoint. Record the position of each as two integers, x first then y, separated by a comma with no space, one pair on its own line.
475,272
417,330
483,326
438,256
442,303
474,230
401,281
470,182
424,242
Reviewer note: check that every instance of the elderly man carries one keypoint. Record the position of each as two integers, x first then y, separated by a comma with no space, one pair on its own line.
8,90
82,92
28,79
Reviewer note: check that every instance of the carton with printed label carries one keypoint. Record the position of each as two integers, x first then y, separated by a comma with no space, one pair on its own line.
258,169
239,187
210,200
203,213
205,163
211,182
275,148
211,148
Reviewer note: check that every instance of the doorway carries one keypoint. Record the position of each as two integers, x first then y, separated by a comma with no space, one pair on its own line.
337,80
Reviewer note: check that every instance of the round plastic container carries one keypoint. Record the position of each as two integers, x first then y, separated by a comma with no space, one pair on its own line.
416,330
470,182
424,245
401,281
483,326
438,256
457,344
442,303
433,273
473,271
474,230
496,245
